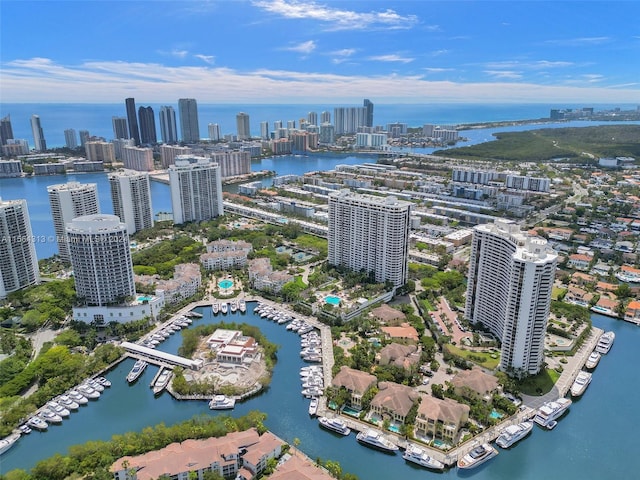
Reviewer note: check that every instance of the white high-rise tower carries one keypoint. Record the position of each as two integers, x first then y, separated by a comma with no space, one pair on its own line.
68,201
371,234
509,291
131,197
18,261
196,189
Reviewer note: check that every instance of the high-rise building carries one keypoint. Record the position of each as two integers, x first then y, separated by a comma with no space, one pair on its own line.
264,130
18,261
509,292
370,234
68,201
6,130
40,144
70,138
325,117
312,118
168,154
368,113
131,198
168,125
137,158
147,126
84,137
119,128
100,152
214,132
196,189
348,119
119,144
101,260
327,134
232,163
189,125
132,119
242,123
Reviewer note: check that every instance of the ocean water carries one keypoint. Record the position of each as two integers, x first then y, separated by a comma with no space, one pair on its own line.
96,118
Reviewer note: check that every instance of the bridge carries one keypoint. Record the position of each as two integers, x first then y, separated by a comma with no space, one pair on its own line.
163,359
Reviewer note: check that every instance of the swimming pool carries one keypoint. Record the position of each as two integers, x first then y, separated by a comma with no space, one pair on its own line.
332,300
144,298
495,414
225,283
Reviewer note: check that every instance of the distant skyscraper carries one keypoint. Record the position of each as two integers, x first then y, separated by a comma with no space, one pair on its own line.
264,130
325,117
68,201
40,144
348,119
119,128
6,130
242,123
370,234
70,138
312,118
84,137
189,125
18,261
131,198
132,120
196,189
214,132
147,126
368,114
101,259
509,292
168,126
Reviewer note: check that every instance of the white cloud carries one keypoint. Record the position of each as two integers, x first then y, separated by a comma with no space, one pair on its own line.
337,19
341,56
531,65
175,52
210,59
42,80
438,70
304,47
504,74
580,41
391,58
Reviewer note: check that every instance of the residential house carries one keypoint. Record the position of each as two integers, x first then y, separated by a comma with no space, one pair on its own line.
475,383
299,468
579,261
262,276
356,382
388,315
632,313
403,332
256,457
185,283
394,401
441,419
403,356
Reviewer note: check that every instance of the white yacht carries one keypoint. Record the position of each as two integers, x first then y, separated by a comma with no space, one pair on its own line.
420,457
37,423
77,397
88,391
605,342
103,381
592,361
224,308
477,456
8,442
222,402
67,402
162,381
59,409
551,411
136,371
49,416
95,385
513,433
313,406
234,306
375,439
242,306
215,308
335,425
581,383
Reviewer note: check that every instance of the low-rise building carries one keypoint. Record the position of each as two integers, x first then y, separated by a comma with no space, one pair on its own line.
185,283
355,382
394,401
579,261
632,314
475,383
262,276
225,255
403,356
388,315
441,419
403,332
231,346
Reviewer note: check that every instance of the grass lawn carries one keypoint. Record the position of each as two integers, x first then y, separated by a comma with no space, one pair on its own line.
540,384
487,361
556,292
313,242
299,282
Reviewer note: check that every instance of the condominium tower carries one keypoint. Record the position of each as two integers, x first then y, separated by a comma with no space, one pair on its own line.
242,123
132,119
71,138
368,112
147,125
6,129
101,260
119,127
189,126
68,201
509,292
18,261
168,126
370,234
40,144
131,198
196,189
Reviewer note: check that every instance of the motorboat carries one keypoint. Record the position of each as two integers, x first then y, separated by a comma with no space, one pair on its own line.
59,409
313,406
375,439
312,392
37,423
551,411
581,383
215,308
49,416
136,371
67,402
103,381
222,402
24,429
7,442
224,308
605,342
95,385
477,456
513,434
233,307
88,391
420,457
592,361
242,306
162,381
76,396
335,425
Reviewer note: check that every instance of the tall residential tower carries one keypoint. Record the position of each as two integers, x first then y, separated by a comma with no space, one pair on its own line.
242,123
509,291
132,119
131,198
168,126
40,144
147,126
189,126
196,189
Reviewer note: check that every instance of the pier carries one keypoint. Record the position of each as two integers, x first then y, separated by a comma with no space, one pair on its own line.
156,357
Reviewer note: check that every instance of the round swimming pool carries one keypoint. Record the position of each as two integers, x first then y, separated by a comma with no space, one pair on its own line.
225,283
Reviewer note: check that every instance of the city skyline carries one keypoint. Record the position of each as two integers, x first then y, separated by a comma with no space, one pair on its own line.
335,51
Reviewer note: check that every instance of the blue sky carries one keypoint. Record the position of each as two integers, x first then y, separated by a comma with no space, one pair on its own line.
300,51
